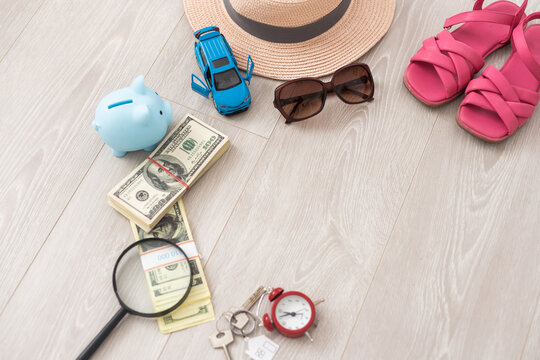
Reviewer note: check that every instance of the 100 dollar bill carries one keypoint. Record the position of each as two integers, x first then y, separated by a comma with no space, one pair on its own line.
186,317
164,284
149,191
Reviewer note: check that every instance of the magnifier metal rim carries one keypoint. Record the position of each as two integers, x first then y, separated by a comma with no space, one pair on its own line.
163,312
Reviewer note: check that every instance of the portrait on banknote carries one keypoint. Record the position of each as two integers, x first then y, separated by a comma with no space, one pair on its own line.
170,227
161,179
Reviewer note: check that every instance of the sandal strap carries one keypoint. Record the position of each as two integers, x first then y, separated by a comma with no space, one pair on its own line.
493,92
479,4
446,42
461,55
480,16
519,44
525,96
501,83
430,53
451,59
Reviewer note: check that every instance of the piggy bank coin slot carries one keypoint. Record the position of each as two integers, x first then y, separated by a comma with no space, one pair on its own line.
120,103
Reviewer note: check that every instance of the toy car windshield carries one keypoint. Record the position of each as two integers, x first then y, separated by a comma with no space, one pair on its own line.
226,79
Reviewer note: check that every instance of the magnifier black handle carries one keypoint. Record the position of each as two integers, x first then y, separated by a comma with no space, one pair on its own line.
93,346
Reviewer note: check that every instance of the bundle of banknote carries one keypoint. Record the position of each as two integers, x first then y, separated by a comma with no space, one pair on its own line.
150,191
197,308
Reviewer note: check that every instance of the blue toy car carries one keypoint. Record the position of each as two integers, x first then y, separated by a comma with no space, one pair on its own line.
222,78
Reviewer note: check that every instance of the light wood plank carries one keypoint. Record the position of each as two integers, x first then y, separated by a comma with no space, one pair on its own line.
14,17
69,57
450,283
459,278
328,198
320,206
171,75
67,294
531,351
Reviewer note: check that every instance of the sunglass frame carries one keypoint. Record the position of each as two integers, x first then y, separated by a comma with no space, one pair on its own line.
328,87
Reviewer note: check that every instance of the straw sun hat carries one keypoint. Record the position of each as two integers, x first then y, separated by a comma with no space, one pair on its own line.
288,39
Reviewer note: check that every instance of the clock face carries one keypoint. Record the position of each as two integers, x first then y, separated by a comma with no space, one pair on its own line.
293,312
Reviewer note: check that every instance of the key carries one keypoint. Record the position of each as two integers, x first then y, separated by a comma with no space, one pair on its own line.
221,339
253,298
241,320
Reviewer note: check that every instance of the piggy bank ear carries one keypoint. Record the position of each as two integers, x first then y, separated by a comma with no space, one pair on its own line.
141,114
138,85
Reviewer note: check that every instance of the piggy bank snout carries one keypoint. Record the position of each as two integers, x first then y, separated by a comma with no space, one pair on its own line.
168,112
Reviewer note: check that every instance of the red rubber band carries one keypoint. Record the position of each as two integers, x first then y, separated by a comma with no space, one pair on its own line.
170,173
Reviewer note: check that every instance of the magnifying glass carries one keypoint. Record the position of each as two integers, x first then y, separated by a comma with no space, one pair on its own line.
151,278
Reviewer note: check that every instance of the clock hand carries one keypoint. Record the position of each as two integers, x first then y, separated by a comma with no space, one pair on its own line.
293,313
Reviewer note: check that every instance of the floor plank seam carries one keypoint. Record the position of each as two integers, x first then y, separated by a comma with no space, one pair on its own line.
241,194
390,236
165,44
50,231
20,33
223,121
164,346
530,328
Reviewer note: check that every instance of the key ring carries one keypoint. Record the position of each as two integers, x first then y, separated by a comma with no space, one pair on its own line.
223,316
241,332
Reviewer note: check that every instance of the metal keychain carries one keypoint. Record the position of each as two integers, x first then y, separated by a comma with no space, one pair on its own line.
223,317
242,331
242,316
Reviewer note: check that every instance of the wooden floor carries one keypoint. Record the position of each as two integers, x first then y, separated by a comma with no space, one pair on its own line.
423,240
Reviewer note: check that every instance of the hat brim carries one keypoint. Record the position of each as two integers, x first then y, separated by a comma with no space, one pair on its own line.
360,28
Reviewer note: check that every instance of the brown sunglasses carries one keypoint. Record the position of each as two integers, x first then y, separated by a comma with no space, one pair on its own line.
303,98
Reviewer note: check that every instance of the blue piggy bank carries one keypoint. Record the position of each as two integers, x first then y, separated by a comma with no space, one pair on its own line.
132,118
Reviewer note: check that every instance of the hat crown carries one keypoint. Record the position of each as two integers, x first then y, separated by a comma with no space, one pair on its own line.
284,13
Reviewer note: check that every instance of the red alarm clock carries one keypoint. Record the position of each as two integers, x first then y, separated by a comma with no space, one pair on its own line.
293,313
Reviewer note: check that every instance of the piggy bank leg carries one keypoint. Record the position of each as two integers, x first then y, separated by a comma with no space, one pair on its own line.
150,148
118,153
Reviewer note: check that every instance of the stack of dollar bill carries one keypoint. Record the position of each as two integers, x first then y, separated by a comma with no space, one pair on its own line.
150,191
197,308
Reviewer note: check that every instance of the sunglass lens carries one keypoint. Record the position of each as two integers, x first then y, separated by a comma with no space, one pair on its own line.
353,84
301,99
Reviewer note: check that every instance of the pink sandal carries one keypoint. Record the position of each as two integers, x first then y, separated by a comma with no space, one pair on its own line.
442,68
500,102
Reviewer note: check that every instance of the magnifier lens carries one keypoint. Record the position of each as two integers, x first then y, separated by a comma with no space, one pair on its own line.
152,277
